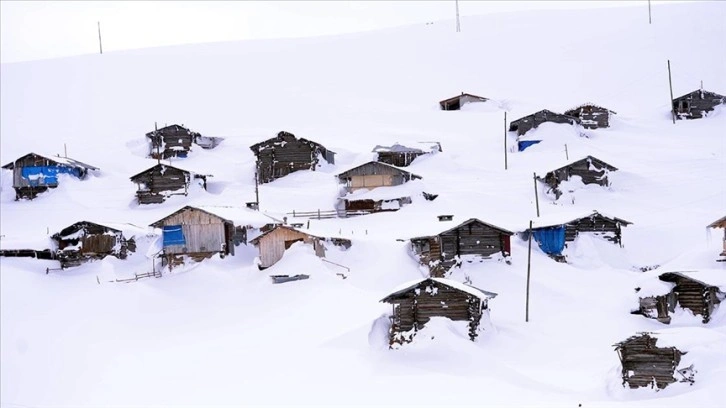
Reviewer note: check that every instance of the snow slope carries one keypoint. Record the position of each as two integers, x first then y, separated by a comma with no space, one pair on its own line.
219,333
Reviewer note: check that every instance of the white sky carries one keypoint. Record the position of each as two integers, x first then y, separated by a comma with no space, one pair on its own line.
31,30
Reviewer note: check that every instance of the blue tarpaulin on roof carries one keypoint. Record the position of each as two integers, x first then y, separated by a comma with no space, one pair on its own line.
46,175
173,235
551,239
523,144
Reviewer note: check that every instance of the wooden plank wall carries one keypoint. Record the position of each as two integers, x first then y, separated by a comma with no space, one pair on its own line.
402,159
202,232
159,180
272,245
647,363
471,239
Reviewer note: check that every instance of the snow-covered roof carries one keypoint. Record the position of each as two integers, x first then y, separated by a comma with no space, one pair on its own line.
376,163
128,230
479,293
407,189
589,104
453,98
562,217
423,147
440,231
306,232
67,161
652,285
170,166
565,163
719,223
236,215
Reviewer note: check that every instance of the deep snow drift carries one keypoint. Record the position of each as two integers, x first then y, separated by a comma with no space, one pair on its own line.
219,332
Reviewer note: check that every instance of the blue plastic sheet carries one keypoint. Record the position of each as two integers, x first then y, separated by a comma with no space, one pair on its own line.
551,239
523,144
173,235
46,175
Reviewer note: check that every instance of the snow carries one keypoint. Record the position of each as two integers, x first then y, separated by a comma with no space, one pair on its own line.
219,332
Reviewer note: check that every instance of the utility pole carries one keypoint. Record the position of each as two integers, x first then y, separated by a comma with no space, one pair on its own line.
529,268
458,25
670,83
65,151
100,46
649,19
536,196
257,194
567,155
505,140
158,143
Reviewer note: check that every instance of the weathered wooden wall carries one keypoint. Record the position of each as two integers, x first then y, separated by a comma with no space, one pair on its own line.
524,124
170,141
400,159
694,296
692,105
203,233
285,154
609,229
644,364
159,182
372,175
591,117
272,246
579,168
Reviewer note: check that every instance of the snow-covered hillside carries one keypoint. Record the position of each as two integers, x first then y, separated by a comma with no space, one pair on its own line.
220,333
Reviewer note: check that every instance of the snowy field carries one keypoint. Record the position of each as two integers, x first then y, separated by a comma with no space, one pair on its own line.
220,333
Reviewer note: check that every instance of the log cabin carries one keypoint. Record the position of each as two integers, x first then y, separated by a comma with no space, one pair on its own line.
553,233
285,154
198,233
591,116
643,364
402,156
456,102
368,187
696,104
162,181
590,170
273,243
35,173
526,123
85,241
700,292
415,303
473,237
721,223
171,141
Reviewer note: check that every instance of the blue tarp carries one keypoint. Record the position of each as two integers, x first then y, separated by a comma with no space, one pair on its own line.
46,175
551,239
523,144
173,235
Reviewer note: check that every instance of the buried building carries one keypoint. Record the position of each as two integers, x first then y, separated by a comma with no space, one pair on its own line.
162,181
644,364
369,187
273,243
590,170
35,173
415,303
284,154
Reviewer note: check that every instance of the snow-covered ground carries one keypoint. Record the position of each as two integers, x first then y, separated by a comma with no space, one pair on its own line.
219,332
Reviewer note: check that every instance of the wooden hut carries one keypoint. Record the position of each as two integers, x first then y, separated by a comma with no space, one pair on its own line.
197,233
171,141
274,242
721,223
356,195
471,238
285,154
84,241
402,156
35,173
700,292
696,104
526,123
456,102
591,116
646,365
161,181
415,303
590,169
553,235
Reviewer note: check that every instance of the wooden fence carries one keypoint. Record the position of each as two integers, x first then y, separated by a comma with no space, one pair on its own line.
327,214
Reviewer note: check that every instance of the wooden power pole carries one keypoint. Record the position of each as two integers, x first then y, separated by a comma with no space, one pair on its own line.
458,25
649,19
529,268
100,45
536,196
670,83
505,140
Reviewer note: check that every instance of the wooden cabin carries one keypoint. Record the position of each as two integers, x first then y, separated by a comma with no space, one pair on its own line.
417,302
552,237
285,154
401,156
198,234
644,364
161,181
274,242
34,173
591,116
697,104
370,176
456,102
721,223
700,292
171,141
444,250
526,123
590,169
85,241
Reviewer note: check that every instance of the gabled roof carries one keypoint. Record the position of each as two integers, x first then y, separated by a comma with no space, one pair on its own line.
170,127
587,104
719,223
454,98
281,139
62,161
545,111
379,164
479,293
73,228
467,222
152,168
268,232
595,161
701,94
186,208
563,219
706,277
